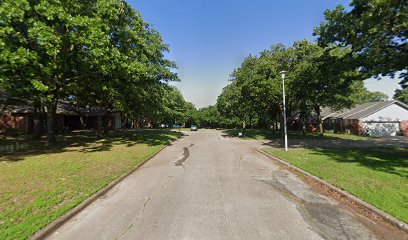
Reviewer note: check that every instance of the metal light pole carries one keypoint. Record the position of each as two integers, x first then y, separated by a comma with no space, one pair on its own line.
284,109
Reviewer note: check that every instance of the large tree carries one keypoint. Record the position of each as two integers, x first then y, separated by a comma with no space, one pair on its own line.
322,78
86,51
376,33
47,40
316,77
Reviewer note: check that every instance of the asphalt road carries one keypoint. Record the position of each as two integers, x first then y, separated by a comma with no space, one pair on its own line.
206,186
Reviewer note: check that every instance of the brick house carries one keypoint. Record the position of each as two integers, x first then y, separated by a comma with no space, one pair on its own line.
384,118
19,117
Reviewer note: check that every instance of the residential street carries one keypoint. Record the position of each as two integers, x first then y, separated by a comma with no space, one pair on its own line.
207,186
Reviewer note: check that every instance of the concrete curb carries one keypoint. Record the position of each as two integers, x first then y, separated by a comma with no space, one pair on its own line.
351,198
57,223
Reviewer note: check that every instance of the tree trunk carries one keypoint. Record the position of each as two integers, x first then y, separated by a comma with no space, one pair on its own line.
99,125
83,121
303,122
243,128
51,109
304,127
319,119
122,121
107,121
36,120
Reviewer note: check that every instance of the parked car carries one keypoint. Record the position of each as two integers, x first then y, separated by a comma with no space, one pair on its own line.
193,128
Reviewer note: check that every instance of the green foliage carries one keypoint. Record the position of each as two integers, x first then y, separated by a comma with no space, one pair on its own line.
209,117
369,40
190,114
401,95
316,77
360,94
97,53
175,107
374,31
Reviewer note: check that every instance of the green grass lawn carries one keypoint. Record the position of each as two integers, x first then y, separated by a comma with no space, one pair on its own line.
377,176
262,134
39,184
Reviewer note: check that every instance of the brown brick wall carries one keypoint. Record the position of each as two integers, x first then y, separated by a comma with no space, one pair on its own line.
360,128
404,127
18,122
353,126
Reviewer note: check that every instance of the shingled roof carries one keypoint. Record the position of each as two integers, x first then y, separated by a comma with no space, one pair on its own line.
20,106
362,110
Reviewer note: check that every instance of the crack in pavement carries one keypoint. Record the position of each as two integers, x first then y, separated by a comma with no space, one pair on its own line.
168,180
327,220
273,182
142,211
135,220
239,162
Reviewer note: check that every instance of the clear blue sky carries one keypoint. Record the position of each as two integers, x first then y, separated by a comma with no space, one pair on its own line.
209,38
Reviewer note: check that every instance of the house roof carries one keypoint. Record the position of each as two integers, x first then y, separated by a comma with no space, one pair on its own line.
327,112
11,104
20,106
364,110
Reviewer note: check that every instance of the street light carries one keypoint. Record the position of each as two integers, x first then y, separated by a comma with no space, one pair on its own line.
284,109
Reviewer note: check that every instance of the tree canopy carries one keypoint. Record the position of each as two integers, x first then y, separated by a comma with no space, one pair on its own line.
316,77
98,53
374,31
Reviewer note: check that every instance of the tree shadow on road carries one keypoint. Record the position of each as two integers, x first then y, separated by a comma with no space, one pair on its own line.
83,141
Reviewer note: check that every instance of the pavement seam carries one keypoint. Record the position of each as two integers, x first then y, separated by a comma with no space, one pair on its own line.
358,202
135,220
59,222
239,162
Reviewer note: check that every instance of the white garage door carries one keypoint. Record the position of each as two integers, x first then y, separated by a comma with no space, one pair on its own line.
380,129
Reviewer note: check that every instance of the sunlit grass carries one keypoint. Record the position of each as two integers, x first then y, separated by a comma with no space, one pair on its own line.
40,184
264,134
377,176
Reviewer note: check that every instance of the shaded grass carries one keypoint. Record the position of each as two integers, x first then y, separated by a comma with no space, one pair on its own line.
263,134
40,184
377,176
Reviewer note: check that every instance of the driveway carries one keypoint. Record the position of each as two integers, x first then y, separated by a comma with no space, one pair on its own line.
206,186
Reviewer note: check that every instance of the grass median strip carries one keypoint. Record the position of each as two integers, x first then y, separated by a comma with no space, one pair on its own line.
40,184
377,176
